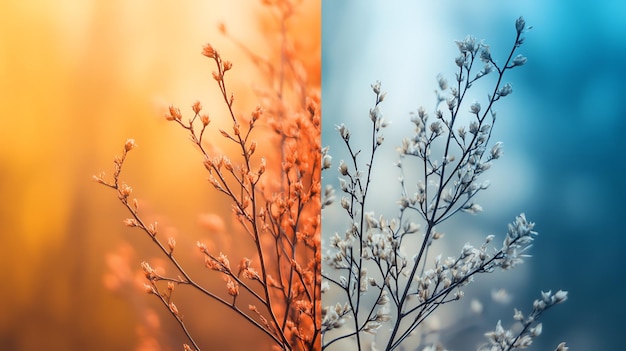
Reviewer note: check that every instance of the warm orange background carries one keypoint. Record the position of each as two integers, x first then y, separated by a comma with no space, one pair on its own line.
78,77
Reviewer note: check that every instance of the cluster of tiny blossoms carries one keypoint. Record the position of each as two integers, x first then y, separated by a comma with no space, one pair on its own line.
502,340
275,199
375,274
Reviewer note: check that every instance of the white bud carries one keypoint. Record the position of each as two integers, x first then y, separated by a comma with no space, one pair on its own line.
520,24
519,60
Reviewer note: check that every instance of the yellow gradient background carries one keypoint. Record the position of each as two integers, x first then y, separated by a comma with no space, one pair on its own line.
77,78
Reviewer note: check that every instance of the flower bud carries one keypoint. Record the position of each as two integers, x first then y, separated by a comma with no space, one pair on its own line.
520,24
208,51
343,168
519,60
196,107
205,120
130,144
171,243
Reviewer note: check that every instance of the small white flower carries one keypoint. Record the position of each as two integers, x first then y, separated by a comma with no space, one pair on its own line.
519,60
473,208
536,331
443,83
475,108
473,127
485,54
345,203
436,128
343,131
375,114
376,87
496,150
520,24
325,286
461,132
460,60
327,161
343,184
507,89
383,299
562,347
560,296
343,168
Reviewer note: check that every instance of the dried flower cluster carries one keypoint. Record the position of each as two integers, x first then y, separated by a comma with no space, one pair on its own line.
275,200
375,278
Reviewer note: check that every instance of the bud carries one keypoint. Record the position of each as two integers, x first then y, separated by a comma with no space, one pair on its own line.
443,83
475,108
252,148
173,308
174,114
208,51
381,98
343,168
130,144
520,24
460,60
257,113
201,246
171,243
376,88
496,150
205,120
232,287
345,203
326,161
519,60
225,134
505,90
130,222
560,296
148,271
196,107
125,190
152,229
148,288
562,347
343,131
536,331
485,54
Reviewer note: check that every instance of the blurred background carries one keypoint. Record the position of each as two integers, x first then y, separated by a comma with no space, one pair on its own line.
77,78
562,131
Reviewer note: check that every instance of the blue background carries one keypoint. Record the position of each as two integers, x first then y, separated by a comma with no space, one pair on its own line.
562,129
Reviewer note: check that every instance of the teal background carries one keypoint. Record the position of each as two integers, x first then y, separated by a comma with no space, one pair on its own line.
562,129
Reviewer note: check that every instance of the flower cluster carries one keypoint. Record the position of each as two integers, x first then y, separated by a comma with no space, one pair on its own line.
501,339
378,272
